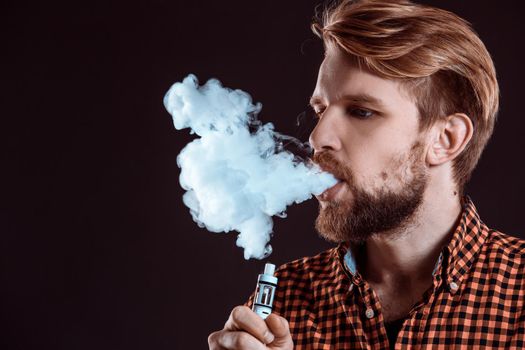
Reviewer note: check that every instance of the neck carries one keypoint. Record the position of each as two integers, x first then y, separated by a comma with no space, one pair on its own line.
408,256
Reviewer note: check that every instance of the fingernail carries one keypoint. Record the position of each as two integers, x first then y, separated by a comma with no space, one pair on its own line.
268,337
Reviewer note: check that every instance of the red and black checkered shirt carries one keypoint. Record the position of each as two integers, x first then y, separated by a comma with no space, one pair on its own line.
476,300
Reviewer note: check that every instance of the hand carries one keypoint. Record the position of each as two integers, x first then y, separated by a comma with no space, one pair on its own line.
247,330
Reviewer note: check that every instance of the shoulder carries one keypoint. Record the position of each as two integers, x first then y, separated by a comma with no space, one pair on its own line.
504,252
302,283
507,245
307,269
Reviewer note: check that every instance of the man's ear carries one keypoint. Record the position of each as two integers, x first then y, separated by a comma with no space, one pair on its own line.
449,138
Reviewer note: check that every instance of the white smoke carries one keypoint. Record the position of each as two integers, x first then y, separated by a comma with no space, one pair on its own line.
236,175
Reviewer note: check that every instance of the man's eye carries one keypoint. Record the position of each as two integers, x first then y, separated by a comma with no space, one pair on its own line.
360,113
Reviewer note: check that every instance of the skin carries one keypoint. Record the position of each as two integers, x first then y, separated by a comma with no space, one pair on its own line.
246,330
398,264
368,138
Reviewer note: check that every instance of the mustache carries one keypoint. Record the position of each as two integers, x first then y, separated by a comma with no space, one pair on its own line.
329,163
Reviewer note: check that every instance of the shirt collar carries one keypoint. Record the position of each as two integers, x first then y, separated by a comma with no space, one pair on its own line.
466,243
469,236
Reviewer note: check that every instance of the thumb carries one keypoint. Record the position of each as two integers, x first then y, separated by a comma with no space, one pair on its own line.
281,330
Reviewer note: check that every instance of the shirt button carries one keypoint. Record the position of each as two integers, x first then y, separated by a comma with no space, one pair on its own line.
369,313
453,286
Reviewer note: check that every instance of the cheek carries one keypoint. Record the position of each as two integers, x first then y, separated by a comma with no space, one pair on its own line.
375,160
384,169
380,156
403,169
400,171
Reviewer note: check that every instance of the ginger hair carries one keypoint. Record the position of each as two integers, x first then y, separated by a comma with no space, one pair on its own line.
435,54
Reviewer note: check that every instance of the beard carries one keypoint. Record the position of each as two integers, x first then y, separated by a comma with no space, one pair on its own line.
368,214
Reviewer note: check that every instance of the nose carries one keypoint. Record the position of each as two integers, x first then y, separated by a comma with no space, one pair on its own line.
324,137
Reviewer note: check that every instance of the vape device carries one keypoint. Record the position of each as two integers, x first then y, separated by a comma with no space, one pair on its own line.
266,284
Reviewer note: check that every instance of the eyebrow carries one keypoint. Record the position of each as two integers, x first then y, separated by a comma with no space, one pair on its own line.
355,98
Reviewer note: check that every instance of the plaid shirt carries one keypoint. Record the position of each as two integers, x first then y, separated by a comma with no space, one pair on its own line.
476,300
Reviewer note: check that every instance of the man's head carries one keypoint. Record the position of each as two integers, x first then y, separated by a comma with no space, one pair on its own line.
407,98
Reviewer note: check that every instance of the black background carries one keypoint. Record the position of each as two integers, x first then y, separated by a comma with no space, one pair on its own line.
97,250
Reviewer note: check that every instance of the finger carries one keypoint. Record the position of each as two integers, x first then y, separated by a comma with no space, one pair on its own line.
234,340
278,326
213,341
242,318
281,330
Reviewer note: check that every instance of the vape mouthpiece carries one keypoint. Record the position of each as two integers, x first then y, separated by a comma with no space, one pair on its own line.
265,292
269,269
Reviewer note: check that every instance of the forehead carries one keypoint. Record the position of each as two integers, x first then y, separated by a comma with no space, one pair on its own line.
340,76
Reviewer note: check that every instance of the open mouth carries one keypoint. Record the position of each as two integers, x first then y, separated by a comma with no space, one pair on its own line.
331,193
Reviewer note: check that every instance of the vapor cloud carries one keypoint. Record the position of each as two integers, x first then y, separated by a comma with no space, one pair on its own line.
236,173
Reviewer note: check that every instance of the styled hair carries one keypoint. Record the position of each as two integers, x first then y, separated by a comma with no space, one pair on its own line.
434,53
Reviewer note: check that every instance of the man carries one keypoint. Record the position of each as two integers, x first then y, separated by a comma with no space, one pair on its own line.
407,98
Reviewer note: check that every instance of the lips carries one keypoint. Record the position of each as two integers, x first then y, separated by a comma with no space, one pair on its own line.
327,163
331,193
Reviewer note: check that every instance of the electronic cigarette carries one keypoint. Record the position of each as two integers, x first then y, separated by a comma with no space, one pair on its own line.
266,284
